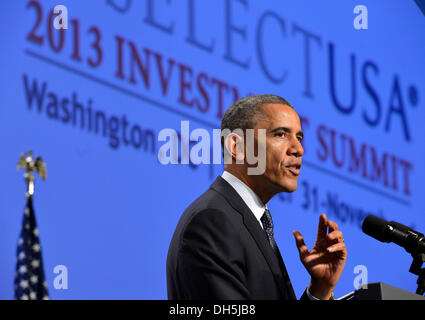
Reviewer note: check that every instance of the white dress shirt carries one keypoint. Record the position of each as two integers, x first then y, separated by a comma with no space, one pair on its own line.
253,202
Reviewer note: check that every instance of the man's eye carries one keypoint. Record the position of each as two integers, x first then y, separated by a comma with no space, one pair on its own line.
279,134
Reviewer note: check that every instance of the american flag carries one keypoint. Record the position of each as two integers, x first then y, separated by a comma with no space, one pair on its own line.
30,283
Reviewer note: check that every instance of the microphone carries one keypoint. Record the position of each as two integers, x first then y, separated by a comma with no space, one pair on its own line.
391,231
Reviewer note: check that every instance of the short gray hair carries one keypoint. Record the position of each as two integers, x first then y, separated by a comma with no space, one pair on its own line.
245,112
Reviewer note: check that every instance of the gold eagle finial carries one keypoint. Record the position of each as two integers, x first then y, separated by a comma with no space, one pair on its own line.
30,165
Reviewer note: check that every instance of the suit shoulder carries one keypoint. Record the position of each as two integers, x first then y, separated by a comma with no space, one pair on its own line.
209,213
209,200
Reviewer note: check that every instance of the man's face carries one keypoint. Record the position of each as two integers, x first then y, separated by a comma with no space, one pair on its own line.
283,146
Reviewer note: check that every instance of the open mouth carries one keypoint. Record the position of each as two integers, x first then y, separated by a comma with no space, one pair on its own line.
294,169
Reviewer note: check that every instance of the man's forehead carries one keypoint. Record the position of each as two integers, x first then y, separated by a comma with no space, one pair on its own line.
279,114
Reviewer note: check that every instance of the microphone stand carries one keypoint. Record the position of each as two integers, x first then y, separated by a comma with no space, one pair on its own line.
416,269
412,246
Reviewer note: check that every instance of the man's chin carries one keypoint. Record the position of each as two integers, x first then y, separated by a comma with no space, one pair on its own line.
291,189
288,187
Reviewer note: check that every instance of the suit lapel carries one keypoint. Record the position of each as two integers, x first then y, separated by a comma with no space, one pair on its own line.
227,191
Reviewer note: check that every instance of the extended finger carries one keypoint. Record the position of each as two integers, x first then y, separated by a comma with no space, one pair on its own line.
299,241
323,227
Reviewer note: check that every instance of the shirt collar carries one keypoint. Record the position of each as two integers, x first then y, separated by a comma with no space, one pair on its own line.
250,198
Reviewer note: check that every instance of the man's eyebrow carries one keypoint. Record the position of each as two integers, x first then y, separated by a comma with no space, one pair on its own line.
286,129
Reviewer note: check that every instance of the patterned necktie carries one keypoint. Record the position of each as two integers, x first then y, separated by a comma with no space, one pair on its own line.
267,222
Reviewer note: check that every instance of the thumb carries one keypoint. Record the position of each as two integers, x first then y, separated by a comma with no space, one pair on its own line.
299,241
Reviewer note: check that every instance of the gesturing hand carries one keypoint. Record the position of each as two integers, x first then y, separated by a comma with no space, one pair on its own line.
326,260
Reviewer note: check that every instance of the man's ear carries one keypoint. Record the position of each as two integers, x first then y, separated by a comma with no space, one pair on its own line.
234,145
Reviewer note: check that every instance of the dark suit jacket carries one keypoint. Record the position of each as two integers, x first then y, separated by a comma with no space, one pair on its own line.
219,251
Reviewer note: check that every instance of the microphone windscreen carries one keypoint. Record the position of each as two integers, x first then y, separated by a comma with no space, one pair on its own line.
375,227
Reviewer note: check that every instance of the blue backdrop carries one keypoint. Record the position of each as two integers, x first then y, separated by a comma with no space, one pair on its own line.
92,99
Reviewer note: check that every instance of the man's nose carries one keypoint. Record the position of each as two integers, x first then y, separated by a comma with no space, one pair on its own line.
296,149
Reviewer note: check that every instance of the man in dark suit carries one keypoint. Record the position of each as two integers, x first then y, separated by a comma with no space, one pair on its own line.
223,246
